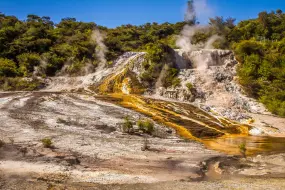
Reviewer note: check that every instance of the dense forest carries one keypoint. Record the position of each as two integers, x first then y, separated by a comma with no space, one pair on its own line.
39,47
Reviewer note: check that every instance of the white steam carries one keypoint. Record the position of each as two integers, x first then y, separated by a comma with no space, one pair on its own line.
185,39
89,68
195,8
211,40
98,38
162,75
40,70
65,69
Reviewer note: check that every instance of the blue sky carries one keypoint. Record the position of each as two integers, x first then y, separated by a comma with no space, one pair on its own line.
113,13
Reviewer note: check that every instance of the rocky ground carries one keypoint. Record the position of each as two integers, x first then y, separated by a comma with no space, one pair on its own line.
90,151
88,144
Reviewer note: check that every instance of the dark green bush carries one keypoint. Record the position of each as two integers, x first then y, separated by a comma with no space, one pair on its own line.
189,86
243,149
20,84
8,68
47,142
128,126
146,126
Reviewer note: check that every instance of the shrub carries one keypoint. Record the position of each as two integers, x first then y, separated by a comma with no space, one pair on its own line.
176,82
146,126
170,77
27,62
242,149
248,47
189,86
47,142
14,84
8,68
159,58
127,125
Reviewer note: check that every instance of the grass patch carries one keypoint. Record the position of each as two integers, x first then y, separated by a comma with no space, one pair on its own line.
189,86
47,142
128,126
146,126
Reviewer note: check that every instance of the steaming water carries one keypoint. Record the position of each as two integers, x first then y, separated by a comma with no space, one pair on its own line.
254,144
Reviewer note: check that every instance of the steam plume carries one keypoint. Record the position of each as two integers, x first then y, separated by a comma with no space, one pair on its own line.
195,8
41,69
98,38
200,60
184,41
211,40
161,77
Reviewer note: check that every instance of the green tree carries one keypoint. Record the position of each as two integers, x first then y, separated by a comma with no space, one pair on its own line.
8,68
27,63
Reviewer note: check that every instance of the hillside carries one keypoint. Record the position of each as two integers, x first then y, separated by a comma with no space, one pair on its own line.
39,47
151,106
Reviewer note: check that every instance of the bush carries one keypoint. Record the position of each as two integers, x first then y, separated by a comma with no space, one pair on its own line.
242,149
27,62
146,126
159,58
189,86
19,84
248,47
47,142
8,68
127,126
170,77
176,82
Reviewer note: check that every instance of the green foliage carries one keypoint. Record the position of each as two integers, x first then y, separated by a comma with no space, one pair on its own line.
189,86
134,38
260,46
8,68
242,149
159,58
127,126
248,47
27,63
176,82
170,77
19,84
262,72
38,38
47,142
146,126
